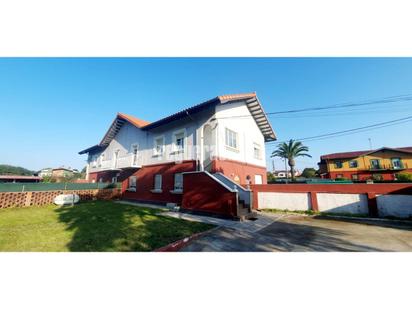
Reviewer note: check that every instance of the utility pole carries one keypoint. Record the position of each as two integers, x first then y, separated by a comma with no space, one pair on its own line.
370,143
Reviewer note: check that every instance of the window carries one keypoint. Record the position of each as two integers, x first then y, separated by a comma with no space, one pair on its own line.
231,139
179,141
355,177
338,164
257,154
94,160
158,146
114,179
134,154
132,183
158,182
375,164
353,164
178,182
258,180
396,163
340,176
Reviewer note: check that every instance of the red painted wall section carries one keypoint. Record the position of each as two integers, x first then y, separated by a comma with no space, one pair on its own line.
233,169
145,182
107,176
203,194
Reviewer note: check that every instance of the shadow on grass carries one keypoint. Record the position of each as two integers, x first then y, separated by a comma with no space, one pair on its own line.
106,226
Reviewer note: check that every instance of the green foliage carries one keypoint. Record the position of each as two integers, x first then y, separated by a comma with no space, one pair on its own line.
404,177
271,177
341,179
14,170
309,172
290,151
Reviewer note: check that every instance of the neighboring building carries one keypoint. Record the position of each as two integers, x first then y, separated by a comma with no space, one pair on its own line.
383,163
45,172
61,173
283,173
225,135
18,178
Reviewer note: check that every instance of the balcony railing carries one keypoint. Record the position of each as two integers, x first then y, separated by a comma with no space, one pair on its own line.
391,166
121,162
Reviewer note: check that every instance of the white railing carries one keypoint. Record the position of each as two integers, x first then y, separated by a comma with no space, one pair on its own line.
121,162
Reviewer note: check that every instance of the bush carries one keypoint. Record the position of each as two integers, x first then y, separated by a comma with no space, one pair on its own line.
341,179
404,177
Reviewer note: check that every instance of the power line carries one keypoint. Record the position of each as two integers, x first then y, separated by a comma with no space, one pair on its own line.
399,98
352,131
370,102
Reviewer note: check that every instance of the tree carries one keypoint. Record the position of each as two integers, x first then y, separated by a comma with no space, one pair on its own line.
309,172
271,177
290,151
14,170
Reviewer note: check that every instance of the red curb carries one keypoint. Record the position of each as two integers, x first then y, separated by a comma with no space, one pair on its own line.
177,245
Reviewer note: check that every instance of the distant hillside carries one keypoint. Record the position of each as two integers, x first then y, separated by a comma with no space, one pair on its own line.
14,170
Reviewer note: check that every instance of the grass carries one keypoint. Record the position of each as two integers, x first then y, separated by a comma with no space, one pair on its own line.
99,226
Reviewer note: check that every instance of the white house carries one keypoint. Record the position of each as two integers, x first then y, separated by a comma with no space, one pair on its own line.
226,135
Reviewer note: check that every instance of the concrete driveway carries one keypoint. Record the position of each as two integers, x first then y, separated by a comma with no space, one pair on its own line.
303,233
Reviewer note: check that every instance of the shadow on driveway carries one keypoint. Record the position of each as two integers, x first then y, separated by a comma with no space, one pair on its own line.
300,233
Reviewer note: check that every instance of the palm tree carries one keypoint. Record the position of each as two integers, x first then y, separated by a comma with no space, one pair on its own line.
290,151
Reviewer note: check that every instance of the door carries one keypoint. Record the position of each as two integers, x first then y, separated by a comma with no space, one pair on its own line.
258,180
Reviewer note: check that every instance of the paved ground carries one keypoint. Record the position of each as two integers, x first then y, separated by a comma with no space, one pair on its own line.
302,233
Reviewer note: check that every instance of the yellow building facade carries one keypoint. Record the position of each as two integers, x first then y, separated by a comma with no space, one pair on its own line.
380,164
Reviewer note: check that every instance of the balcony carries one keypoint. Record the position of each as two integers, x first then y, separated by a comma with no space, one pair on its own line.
388,167
120,163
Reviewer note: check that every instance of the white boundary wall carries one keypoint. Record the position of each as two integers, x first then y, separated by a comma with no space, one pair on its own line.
343,203
395,205
284,201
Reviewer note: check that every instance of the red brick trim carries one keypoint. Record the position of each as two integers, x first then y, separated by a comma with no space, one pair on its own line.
238,162
314,201
181,243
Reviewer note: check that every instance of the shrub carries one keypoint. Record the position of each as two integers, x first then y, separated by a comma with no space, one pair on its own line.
404,177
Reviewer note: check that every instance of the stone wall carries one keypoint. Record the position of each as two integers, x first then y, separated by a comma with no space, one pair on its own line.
39,198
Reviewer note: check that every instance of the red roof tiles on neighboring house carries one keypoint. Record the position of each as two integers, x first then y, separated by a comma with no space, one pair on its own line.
354,154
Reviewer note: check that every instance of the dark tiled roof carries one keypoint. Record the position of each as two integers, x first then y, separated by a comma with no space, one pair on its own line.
252,102
354,154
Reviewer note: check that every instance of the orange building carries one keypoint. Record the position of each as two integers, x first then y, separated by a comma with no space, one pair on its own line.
379,164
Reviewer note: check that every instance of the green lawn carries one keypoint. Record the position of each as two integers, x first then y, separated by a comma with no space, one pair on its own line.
90,227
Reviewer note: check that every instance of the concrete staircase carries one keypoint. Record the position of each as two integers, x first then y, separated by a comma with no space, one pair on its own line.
245,197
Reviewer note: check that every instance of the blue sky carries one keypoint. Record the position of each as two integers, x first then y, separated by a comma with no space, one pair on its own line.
53,107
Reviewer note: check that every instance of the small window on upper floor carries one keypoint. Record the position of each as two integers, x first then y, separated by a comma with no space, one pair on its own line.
159,145
257,151
353,164
231,139
338,164
179,141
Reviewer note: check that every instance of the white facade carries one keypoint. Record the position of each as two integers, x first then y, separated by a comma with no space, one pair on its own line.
236,118
200,137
